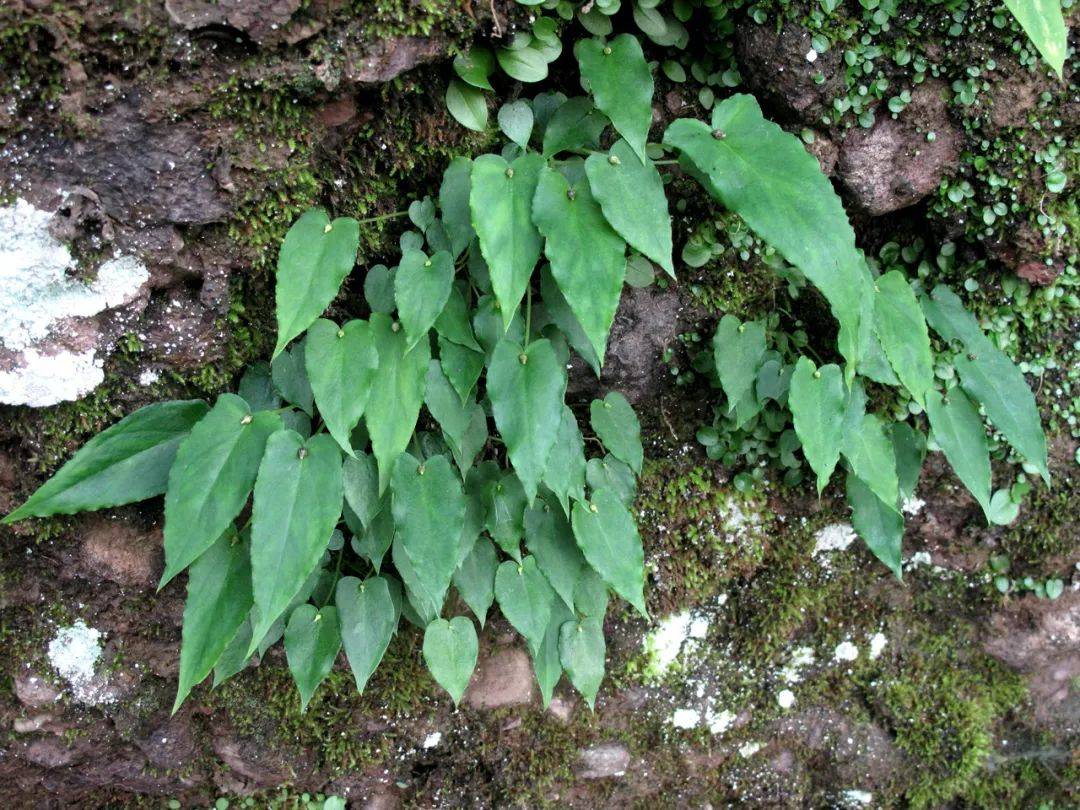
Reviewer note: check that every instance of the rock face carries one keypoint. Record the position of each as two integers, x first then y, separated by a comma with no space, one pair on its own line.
505,678
121,552
899,161
603,761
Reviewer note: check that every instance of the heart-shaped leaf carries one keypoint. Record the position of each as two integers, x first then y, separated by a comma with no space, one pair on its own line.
618,428
525,598
312,642
368,620
421,289
621,84
581,651
450,651
564,474
341,364
607,536
475,578
817,401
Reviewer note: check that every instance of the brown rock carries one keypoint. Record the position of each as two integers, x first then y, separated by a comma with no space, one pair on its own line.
893,164
1039,273
265,21
121,552
337,112
388,58
34,691
504,679
603,761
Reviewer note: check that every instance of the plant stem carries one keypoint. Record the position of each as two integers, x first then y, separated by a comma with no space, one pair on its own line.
381,217
528,314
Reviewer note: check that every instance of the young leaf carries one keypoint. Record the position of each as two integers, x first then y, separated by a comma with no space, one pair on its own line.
631,195
738,349
606,534
959,433
618,428
620,81
218,601
475,578
315,257
581,651
880,526
298,498
467,105
461,365
429,514
990,377
501,203
341,364
360,480
368,620
564,474
902,329
577,124
421,289
453,322
312,642
450,651
290,377
817,402
516,122
587,257
870,453
475,66
560,314
767,177
526,388
550,540
614,475
1044,23
127,462
396,393
454,203
546,663
525,598
211,478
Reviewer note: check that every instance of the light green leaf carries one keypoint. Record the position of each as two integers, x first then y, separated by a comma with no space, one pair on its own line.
880,526
501,203
631,195
453,321
298,498
360,479
475,578
526,388
958,431
211,479
218,601
127,462
524,64
560,314
582,651
516,122
550,540
990,377
341,364
607,536
587,257
312,642
870,453
817,401
901,328
475,66
396,393
454,203
1044,23
315,257
429,513
546,663
738,349
422,287
525,598
461,365
467,105
767,177
450,651
621,84
368,620
577,124
618,428
564,474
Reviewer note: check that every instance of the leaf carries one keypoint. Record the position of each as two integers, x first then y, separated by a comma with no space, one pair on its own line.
360,481
958,431
591,594
546,663
421,605
1043,22
524,64
475,578
506,513
368,620
312,642
290,377
525,598
501,203
620,82
127,462
577,124
298,497
909,446
902,329
871,455
211,478
516,122
396,393
218,601
454,203
610,473
450,650
564,474
606,534
341,364
631,195
376,539
817,403
550,540
587,257
423,285
475,66
990,378
453,321
453,415
315,257
467,105
256,388
880,526
379,288
560,314
429,514
618,428
462,366
738,349
767,177
582,651
526,388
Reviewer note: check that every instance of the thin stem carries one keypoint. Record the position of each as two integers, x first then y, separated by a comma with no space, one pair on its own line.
381,217
337,576
528,315
664,162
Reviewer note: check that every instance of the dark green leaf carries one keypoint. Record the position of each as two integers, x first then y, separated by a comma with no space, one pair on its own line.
618,428
360,479
608,538
622,85
880,526
312,642
550,540
506,513
379,288
290,377
341,364
591,594
871,455
577,124
560,314
376,538
525,598
454,203
581,651
738,349
422,287
564,474
909,446
546,663
256,388
475,578
474,67
450,650
610,473
902,329
959,433
462,366
453,322
368,620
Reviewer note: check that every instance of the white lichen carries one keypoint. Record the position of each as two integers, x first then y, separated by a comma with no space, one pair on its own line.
663,645
685,718
834,537
912,506
747,750
46,379
877,645
845,651
719,722
811,56
432,739
856,798
74,653
801,657
785,698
